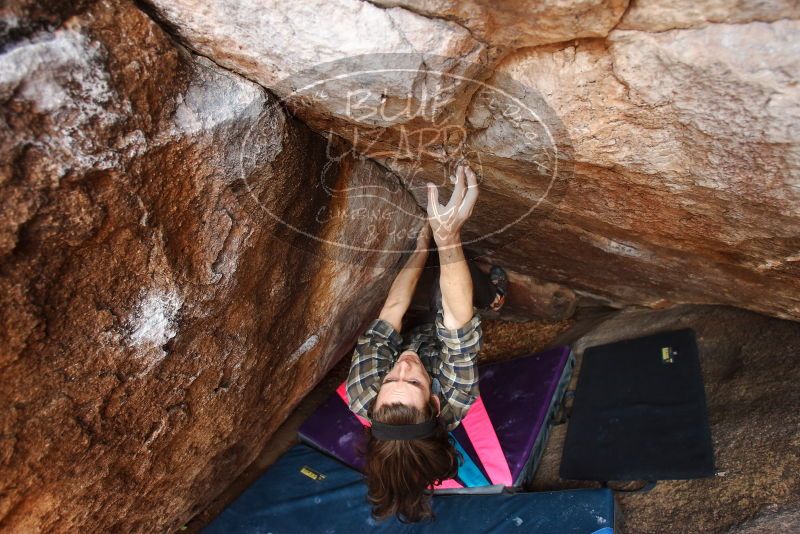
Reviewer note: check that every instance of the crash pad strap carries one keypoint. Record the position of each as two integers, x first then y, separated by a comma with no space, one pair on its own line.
484,440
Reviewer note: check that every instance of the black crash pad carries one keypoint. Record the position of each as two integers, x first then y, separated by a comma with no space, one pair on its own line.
640,412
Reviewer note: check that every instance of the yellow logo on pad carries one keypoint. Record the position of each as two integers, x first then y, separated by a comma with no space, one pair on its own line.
310,473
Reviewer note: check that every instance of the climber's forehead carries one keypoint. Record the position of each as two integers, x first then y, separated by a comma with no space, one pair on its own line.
407,382
397,391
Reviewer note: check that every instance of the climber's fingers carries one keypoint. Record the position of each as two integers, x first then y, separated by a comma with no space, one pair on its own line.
433,201
471,196
459,187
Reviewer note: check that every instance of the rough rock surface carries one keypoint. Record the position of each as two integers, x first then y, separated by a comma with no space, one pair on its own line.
750,371
522,23
655,16
158,323
676,127
273,43
686,182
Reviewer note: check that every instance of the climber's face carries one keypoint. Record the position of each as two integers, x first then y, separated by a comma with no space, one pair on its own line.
407,383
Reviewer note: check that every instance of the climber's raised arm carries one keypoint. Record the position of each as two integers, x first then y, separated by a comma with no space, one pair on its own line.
399,298
446,222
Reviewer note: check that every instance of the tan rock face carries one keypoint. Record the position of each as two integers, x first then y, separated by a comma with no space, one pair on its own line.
654,16
159,318
676,151
419,63
273,43
522,23
686,176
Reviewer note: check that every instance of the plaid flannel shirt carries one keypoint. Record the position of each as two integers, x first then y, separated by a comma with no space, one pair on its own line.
449,355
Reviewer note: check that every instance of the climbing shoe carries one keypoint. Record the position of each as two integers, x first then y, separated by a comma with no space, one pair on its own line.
499,279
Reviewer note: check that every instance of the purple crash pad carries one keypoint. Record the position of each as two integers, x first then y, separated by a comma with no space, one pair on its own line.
520,396
333,429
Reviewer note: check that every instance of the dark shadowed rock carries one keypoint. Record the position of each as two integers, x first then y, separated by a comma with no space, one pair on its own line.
528,298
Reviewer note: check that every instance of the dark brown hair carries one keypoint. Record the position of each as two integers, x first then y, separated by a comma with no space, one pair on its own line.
399,471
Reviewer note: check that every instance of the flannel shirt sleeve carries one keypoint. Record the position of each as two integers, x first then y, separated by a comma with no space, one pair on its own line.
375,353
458,371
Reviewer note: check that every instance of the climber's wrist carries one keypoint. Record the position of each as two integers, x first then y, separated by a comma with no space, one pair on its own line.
449,240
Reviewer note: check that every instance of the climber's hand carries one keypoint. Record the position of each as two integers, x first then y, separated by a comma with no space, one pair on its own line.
446,221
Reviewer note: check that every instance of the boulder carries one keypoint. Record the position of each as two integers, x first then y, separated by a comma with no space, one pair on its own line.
180,262
685,184
645,156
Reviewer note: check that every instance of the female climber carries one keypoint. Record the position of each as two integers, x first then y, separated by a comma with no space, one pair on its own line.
415,388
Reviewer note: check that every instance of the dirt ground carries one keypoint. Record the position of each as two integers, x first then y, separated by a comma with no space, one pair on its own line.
751,369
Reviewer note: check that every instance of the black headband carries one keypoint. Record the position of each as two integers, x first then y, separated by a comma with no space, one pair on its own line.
403,432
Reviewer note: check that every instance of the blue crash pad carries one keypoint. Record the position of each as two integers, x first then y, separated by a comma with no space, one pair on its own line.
288,499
